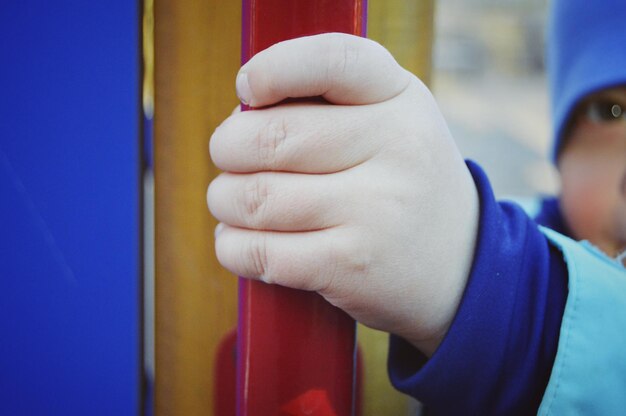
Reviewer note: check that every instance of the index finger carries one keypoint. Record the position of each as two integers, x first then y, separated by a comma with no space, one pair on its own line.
344,69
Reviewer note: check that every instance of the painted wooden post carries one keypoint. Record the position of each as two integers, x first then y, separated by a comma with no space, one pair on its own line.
70,208
197,44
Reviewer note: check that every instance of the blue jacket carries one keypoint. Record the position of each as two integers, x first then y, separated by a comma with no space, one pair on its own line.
503,348
532,332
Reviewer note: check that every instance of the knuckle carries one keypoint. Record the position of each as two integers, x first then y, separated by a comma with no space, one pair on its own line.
353,257
349,264
269,140
343,56
255,199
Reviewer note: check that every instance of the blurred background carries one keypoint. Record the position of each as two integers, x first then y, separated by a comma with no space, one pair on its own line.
489,80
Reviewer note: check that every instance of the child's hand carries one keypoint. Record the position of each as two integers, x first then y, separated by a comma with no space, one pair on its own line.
365,200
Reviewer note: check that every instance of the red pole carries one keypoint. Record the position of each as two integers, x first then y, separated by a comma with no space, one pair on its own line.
296,352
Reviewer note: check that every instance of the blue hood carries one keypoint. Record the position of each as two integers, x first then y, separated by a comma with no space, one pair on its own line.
586,52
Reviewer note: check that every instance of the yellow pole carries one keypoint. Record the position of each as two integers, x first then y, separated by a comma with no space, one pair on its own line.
405,27
197,45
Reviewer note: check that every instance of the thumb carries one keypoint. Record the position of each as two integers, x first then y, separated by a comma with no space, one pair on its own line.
344,69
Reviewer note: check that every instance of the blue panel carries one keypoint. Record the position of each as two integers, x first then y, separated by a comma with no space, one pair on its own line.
69,208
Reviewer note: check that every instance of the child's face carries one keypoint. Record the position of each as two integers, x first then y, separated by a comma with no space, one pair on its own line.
592,164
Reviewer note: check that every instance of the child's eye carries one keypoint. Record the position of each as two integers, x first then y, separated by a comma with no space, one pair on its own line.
604,111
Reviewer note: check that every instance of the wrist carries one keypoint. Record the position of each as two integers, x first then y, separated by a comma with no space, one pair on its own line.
455,268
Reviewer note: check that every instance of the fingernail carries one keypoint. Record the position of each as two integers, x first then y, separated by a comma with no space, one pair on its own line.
243,88
218,229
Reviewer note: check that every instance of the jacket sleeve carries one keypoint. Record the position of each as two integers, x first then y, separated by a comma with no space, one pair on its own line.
498,354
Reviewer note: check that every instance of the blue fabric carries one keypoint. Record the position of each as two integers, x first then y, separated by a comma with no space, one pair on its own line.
498,353
589,374
550,216
586,52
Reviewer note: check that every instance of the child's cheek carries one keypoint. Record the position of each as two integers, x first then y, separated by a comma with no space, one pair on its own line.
586,198
583,211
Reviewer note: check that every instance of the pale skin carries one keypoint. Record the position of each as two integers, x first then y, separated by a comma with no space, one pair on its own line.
365,200
592,165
